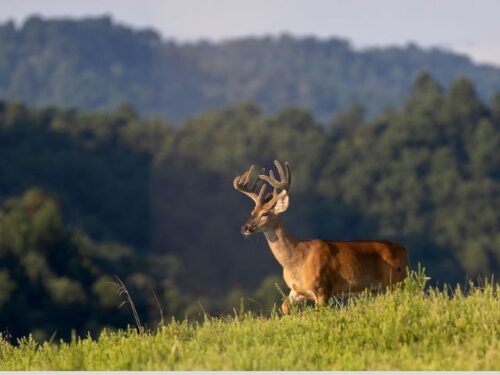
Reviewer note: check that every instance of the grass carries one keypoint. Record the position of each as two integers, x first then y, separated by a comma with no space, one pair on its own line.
407,329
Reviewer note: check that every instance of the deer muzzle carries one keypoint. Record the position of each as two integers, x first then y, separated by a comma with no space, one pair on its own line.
247,229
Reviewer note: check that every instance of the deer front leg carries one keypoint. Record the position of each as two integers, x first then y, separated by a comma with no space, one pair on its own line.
292,298
321,298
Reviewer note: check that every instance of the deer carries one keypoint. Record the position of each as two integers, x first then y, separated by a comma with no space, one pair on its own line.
316,269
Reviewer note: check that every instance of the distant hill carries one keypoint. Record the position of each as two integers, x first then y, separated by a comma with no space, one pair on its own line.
96,63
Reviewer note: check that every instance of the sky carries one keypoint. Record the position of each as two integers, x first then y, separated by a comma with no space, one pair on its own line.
467,26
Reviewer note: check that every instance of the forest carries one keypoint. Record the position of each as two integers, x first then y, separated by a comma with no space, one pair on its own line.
97,63
89,196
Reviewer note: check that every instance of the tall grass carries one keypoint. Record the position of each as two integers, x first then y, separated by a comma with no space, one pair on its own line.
408,328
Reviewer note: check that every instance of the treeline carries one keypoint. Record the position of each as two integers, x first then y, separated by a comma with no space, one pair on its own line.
90,195
54,278
97,64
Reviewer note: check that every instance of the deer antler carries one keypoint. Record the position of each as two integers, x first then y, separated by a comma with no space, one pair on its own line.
284,182
248,183
285,178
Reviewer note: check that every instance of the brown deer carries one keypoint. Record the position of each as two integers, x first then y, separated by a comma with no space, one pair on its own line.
316,269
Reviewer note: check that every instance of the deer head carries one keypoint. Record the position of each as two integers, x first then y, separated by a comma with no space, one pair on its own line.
267,206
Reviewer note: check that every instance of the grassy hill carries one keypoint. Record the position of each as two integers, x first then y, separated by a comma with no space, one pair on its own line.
407,329
85,196
96,63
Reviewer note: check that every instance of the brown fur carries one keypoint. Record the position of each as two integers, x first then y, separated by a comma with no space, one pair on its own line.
318,269
332,268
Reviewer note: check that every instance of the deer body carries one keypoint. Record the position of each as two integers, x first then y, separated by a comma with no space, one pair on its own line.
318,269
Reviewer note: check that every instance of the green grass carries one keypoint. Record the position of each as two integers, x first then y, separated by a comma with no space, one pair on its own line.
406,329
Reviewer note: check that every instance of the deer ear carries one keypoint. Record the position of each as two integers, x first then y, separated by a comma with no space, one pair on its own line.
282,203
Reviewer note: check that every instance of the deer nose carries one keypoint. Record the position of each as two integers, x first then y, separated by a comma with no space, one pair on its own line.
246,229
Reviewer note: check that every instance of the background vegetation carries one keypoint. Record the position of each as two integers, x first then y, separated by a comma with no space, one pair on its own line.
89,195
97,64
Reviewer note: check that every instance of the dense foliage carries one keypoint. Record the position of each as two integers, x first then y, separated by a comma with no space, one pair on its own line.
97,64
54,279
118,194
404,330
86,159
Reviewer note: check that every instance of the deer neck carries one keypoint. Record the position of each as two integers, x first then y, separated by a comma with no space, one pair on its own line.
283,245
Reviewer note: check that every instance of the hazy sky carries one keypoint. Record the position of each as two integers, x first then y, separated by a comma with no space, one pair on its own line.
468,26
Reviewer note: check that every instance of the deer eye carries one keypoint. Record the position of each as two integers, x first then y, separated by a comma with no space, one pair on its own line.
265,213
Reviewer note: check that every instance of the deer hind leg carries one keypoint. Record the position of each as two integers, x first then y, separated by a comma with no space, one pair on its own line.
395,270
321,299
390,259
293,298
390,276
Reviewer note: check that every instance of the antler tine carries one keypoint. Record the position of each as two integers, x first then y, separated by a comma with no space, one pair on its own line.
285,178
247,176
288,175
280,169
248,183
262,193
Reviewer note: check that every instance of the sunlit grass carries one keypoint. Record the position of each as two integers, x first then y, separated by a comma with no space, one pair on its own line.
406,329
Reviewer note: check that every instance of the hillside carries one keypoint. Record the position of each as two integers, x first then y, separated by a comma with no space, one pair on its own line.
403,330
98,64
89,195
